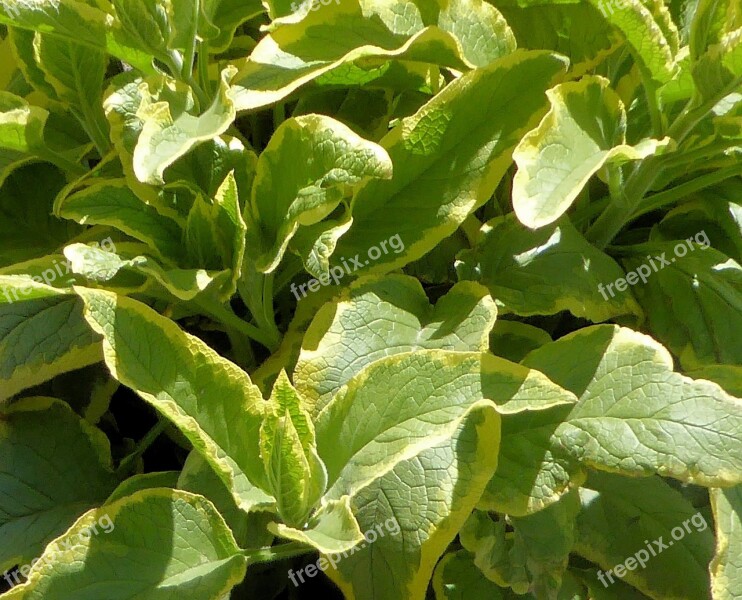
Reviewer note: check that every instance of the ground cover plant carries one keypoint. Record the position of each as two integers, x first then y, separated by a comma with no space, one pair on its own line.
370,299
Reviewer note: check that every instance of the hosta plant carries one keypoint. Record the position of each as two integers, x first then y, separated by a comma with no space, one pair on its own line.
370,299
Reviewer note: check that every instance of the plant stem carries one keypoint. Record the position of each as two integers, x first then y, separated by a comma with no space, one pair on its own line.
228,318
62,162
268,311
274,553
203,68
665,197
93,121
177,66
617,214
708,151
695,110
190,51
650,91
141,447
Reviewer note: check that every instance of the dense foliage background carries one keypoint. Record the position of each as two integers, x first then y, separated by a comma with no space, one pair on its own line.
373,299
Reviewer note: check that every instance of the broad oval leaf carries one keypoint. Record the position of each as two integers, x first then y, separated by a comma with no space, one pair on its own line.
54,466
412,512
653,38
306,169
458,578
169,130
544,272
293,55
201,392
693,302
42,332
635,415
112,202
584,130
620,515
190,552
378,317
448,158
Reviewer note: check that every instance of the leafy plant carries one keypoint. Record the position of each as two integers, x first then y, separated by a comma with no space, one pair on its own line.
443,299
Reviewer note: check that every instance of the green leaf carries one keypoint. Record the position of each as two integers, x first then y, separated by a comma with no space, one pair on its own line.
378,317
726,570
201,234
653,38
460,34
319,161
143,481
719,71
76,72
54,466
315,244
694,303
413,437
621,517
112,202
145,23
123,98
42,334
21,124
332,529
635,415
198,477
358,442
714,214
190,552
227,16
575,30
545,271
513,340
437,266
128,272
548,537
22,58
170,130
22,138
533,472
205,168
584,130
608,591
458,578
72,20
448,158
215,232
186,381
28,230
727,376
531,558
295,473
712,19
